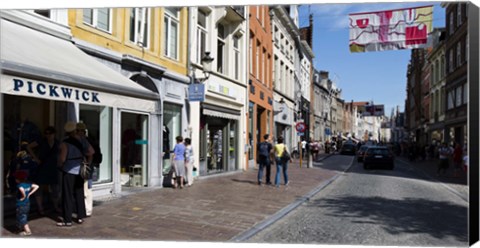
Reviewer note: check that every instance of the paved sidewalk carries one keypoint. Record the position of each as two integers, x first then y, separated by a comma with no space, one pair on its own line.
428,168
220,208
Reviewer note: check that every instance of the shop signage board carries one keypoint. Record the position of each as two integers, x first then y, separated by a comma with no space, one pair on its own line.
196,92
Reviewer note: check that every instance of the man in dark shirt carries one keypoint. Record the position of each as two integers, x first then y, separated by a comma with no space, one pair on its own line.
264,155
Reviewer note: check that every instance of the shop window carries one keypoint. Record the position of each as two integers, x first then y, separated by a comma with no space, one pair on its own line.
139,26
98,122
170,35
98,18
134,149
172,127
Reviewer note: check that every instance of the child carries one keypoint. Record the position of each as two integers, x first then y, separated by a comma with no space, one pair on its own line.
24,190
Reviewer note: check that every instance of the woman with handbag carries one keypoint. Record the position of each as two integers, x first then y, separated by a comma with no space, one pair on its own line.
73,152
282,157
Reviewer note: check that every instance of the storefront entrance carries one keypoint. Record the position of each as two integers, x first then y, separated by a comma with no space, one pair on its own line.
134,149
219,140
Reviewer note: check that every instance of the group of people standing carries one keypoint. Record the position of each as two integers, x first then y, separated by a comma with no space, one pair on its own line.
54,170
268,155
183,165
457,154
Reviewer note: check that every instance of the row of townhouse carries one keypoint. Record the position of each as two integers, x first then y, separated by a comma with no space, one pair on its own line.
336,119
437,83
129,75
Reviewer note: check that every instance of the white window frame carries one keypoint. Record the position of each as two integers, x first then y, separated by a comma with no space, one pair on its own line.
170,20
137,32
221,59
236,57
202,30
94,23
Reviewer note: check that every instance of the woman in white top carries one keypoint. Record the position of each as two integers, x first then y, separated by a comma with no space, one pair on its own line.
189,161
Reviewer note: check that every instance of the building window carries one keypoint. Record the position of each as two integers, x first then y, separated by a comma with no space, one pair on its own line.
98,18
442,67
201,35
139,26
250,59
268,71
220,48
170,33
459,54
450,60
465,93
257,60
451,27
264,54
459,15
458,97
236,50
451,99
465,53
437,71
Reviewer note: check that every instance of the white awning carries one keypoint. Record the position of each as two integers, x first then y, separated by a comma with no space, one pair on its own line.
220,112
41,65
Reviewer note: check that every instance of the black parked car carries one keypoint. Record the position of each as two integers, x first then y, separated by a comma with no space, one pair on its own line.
348,148
378,156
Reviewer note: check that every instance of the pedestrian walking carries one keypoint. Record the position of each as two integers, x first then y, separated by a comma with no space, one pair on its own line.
444,154
264,151
281,161
315,148
73,151
94,165
47,172
24,190
179,162
189,161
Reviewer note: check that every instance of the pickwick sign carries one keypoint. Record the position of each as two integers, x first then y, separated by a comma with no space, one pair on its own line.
13,85
25,87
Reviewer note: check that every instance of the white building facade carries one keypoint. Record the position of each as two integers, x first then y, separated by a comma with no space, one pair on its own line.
217,124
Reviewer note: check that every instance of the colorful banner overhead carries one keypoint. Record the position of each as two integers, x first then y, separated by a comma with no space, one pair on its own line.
391,29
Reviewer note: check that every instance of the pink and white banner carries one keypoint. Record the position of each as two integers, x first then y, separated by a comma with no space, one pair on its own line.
391,29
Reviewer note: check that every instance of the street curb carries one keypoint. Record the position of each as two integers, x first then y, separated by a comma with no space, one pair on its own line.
284,211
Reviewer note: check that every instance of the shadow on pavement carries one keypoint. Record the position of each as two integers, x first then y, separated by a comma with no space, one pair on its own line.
409,215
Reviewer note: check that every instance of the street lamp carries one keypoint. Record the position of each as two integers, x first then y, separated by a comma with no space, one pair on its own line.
206,67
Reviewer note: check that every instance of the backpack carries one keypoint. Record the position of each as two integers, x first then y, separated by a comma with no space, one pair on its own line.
285,155
264,150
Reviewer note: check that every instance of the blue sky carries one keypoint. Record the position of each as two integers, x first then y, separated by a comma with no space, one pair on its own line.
377,76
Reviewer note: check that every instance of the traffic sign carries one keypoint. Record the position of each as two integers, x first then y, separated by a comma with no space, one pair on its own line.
300,127
300,133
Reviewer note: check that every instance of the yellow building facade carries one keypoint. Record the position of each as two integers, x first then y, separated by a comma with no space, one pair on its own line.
117,37
149,46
